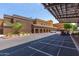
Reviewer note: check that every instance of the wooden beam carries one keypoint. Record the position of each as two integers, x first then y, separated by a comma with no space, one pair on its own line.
61,9
58,12
69,17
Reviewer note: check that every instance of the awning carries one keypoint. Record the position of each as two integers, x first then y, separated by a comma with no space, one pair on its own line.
64,12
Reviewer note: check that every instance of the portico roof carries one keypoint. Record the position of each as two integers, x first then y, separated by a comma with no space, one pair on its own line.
64,12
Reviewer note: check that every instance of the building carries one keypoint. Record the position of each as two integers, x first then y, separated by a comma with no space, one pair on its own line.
28,25
58,26
41,26
1,26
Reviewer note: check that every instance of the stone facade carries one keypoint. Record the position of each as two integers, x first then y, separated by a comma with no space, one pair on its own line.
41,26
1,26
28,25
58,26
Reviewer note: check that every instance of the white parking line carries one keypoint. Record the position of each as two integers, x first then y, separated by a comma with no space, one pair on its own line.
60,48
76,44
57,45
60,41
58,52
17,50
4,54
40,51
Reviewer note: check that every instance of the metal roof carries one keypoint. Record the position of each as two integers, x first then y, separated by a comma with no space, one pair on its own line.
63,10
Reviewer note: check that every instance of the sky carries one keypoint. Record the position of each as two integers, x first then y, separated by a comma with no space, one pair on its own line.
32,10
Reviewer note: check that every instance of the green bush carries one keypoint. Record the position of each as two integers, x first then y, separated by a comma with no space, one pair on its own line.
67,26
16,27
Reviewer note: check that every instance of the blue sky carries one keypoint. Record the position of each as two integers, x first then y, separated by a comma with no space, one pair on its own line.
33,10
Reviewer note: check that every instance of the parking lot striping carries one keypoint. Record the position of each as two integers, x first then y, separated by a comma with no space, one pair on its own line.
4,54
68,42
17,50
56,40
61,41
58,51
60,48
40,51
58,45
53,39
76,44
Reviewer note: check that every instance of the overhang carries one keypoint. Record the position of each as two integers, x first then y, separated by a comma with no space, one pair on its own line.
64,12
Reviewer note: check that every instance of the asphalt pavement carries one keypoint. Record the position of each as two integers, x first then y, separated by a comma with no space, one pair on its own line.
53,45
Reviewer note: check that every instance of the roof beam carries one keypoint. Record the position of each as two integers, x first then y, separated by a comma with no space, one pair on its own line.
57,11
64,10
70,17
50,10
61,9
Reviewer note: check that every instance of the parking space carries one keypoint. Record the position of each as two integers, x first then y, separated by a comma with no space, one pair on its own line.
55,45
68,52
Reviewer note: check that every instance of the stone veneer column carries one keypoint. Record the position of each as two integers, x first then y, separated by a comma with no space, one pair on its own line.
38,30
42,30
45,30
34,30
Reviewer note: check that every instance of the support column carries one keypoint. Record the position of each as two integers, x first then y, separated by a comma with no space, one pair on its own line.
45,30
38,30
34,30
42,30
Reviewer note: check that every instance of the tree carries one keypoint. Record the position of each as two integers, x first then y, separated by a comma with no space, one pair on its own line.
16,27
70,27
67,26
74,27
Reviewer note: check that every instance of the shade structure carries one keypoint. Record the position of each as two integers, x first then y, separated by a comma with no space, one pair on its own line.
64,12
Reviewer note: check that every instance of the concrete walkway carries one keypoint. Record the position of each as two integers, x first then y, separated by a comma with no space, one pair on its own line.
7,43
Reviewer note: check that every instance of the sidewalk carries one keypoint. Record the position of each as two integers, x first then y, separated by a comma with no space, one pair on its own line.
7,43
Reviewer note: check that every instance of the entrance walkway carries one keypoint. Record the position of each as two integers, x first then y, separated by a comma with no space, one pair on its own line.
55,45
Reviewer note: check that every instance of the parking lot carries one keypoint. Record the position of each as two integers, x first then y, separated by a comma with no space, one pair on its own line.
53,45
